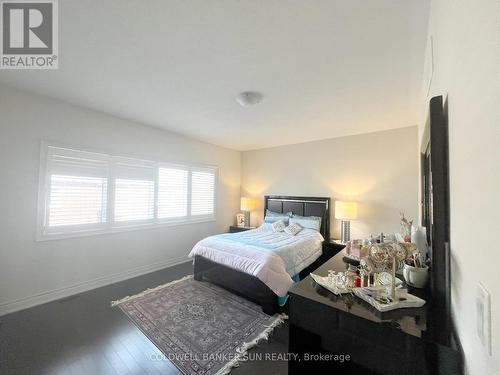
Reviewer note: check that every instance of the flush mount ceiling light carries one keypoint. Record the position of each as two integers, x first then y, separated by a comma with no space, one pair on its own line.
249,98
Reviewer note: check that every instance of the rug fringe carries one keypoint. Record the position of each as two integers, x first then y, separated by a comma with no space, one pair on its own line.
243,349
130,298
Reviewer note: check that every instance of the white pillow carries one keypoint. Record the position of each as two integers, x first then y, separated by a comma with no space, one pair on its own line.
278,226
311,222
293,229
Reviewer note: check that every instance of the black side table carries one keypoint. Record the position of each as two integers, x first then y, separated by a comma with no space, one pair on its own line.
331,248
236,229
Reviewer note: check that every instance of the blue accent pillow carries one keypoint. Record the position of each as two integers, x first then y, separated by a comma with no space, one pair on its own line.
272,213
272,217
311,222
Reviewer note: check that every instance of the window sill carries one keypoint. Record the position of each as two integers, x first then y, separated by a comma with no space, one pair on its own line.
40,237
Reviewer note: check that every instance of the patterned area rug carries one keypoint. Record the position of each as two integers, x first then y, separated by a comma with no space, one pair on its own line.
201,328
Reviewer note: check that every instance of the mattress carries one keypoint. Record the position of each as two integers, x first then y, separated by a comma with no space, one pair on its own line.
271,257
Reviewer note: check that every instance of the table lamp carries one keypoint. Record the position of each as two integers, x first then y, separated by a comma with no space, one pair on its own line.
247,205
346,211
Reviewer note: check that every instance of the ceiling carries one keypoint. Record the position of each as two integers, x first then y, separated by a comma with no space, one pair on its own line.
326,68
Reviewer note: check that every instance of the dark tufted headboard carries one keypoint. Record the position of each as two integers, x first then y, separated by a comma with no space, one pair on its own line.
303,206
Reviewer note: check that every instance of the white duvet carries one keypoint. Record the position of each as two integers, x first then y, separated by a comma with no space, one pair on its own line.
271,257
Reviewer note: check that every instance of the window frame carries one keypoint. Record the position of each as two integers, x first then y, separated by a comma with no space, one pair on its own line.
45,233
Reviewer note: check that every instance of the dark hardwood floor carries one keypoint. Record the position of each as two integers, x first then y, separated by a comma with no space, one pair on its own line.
83,335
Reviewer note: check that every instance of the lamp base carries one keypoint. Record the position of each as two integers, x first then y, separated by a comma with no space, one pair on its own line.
345,231
247,218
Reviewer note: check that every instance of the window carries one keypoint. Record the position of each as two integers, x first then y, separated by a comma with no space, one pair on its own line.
85,192
76,200
172,192
76,186
202,192
134,200
134,190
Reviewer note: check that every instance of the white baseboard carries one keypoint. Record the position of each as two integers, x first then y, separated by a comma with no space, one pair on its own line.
55,294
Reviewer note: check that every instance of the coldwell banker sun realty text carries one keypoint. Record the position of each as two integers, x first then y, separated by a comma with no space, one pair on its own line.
29,37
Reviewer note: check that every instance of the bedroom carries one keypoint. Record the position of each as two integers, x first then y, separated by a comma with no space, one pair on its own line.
154,123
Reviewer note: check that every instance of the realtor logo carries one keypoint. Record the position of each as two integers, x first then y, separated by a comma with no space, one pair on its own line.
29,34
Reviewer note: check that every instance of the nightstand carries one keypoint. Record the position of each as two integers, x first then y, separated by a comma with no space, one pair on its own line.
236,229
331,248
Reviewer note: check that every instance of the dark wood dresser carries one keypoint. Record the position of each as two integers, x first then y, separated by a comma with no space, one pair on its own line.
401,342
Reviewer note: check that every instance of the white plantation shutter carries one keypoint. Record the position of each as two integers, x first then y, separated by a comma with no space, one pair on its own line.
172,192
85,192
134,190
77,200
203,191
76,189
66,161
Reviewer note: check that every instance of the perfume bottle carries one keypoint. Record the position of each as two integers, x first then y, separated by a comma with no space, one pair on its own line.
365,279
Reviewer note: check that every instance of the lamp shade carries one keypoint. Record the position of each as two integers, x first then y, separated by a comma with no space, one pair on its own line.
346,210
247,204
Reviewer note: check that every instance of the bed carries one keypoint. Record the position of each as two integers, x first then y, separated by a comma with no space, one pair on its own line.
259,264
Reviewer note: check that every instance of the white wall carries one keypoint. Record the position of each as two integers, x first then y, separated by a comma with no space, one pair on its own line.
378,170
466,38
32,272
